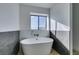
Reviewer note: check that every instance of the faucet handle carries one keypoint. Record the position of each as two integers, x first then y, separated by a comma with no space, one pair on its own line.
36,35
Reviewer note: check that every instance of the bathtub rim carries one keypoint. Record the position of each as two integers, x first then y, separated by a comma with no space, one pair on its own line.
21,42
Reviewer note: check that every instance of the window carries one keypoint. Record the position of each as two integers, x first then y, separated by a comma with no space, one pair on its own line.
38,22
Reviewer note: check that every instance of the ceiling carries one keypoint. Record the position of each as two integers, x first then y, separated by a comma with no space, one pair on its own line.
44,5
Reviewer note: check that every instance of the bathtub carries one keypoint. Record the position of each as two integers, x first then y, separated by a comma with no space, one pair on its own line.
37,46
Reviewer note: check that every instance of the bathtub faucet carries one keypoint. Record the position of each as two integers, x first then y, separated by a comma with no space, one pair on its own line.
36,36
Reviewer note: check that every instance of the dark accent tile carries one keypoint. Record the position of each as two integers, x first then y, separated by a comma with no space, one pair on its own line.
58,46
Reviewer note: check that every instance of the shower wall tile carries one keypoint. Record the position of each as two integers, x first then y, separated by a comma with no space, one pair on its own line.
8,42
63,37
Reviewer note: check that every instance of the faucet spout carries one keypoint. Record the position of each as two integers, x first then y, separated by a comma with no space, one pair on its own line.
36,36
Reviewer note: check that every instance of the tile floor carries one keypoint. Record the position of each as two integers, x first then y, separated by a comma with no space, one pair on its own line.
53,52
75,52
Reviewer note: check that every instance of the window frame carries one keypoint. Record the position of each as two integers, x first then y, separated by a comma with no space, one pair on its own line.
38,21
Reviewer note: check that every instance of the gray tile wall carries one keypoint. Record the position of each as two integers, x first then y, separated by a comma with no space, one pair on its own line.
9,43
63,37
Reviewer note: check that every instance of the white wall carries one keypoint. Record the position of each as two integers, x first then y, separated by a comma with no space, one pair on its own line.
9,17
60,17
25,23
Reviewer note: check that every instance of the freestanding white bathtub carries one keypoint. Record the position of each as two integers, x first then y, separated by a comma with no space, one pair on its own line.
37,46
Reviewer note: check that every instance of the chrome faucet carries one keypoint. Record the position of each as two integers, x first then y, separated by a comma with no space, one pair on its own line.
36,36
